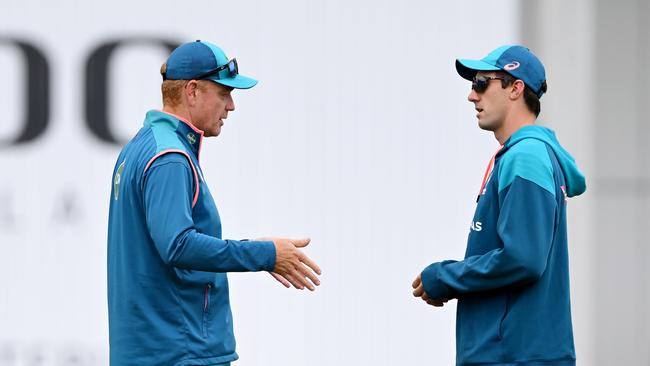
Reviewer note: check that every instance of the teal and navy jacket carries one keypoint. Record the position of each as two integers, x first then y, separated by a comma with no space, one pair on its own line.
513,285
167,286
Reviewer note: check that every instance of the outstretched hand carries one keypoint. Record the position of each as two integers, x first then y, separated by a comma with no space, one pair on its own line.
281,279
419,292
292,266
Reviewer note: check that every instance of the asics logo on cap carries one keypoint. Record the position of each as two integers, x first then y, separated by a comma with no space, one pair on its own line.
511,66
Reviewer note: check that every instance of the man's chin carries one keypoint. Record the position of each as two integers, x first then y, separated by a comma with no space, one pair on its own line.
213,133
485,126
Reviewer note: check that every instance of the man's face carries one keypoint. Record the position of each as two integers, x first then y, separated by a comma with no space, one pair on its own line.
492,104
211,105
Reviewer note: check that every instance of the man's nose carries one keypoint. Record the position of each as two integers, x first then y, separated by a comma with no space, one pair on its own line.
473,96
230,106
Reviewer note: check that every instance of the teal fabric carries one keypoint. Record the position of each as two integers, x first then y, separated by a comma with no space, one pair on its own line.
195,59
575,180
218,53
164,131
528,159
168,301
488,63
512,286
239,81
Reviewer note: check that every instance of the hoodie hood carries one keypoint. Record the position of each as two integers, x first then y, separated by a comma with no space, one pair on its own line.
575,180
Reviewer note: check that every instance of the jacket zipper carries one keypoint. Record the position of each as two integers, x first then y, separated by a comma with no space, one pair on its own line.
206,302
503,317
206,306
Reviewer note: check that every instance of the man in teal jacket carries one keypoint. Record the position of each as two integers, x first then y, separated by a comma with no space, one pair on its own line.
513,285
167,286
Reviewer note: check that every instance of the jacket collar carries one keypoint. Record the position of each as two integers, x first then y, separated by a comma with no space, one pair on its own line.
186,131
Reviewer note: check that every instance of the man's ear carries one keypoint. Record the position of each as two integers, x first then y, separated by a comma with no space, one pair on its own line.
190,91
517,89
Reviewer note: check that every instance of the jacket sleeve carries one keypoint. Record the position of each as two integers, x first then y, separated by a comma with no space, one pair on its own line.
168,192
525,226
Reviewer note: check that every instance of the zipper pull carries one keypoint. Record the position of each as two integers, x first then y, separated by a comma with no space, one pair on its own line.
205,296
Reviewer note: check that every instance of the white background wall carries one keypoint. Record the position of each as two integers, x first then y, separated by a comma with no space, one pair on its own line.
596,53
358,135
563,37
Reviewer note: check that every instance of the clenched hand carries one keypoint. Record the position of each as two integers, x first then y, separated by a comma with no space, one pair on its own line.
419,292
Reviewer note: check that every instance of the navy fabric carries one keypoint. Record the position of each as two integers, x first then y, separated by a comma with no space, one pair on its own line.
168,300
513,284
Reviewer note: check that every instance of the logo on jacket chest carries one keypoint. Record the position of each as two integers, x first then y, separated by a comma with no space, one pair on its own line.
191,138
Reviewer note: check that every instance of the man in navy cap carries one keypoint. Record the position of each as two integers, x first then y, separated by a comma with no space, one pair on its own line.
167,262
513,284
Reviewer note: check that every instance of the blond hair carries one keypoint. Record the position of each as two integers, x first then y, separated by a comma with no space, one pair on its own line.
172,90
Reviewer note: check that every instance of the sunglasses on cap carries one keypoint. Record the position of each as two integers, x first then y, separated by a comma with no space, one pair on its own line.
231,67
481,83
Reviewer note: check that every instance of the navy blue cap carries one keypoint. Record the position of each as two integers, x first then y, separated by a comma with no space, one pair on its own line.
205,61
516,60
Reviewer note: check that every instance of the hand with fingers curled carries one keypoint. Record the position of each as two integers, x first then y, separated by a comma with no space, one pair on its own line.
419,292
292,266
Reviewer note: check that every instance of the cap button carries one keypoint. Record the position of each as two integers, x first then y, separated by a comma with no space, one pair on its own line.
198,40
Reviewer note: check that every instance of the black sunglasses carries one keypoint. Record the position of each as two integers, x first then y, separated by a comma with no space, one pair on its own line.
231,67
481,83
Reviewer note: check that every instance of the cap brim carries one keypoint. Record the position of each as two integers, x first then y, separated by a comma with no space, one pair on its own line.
468,68
238,82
